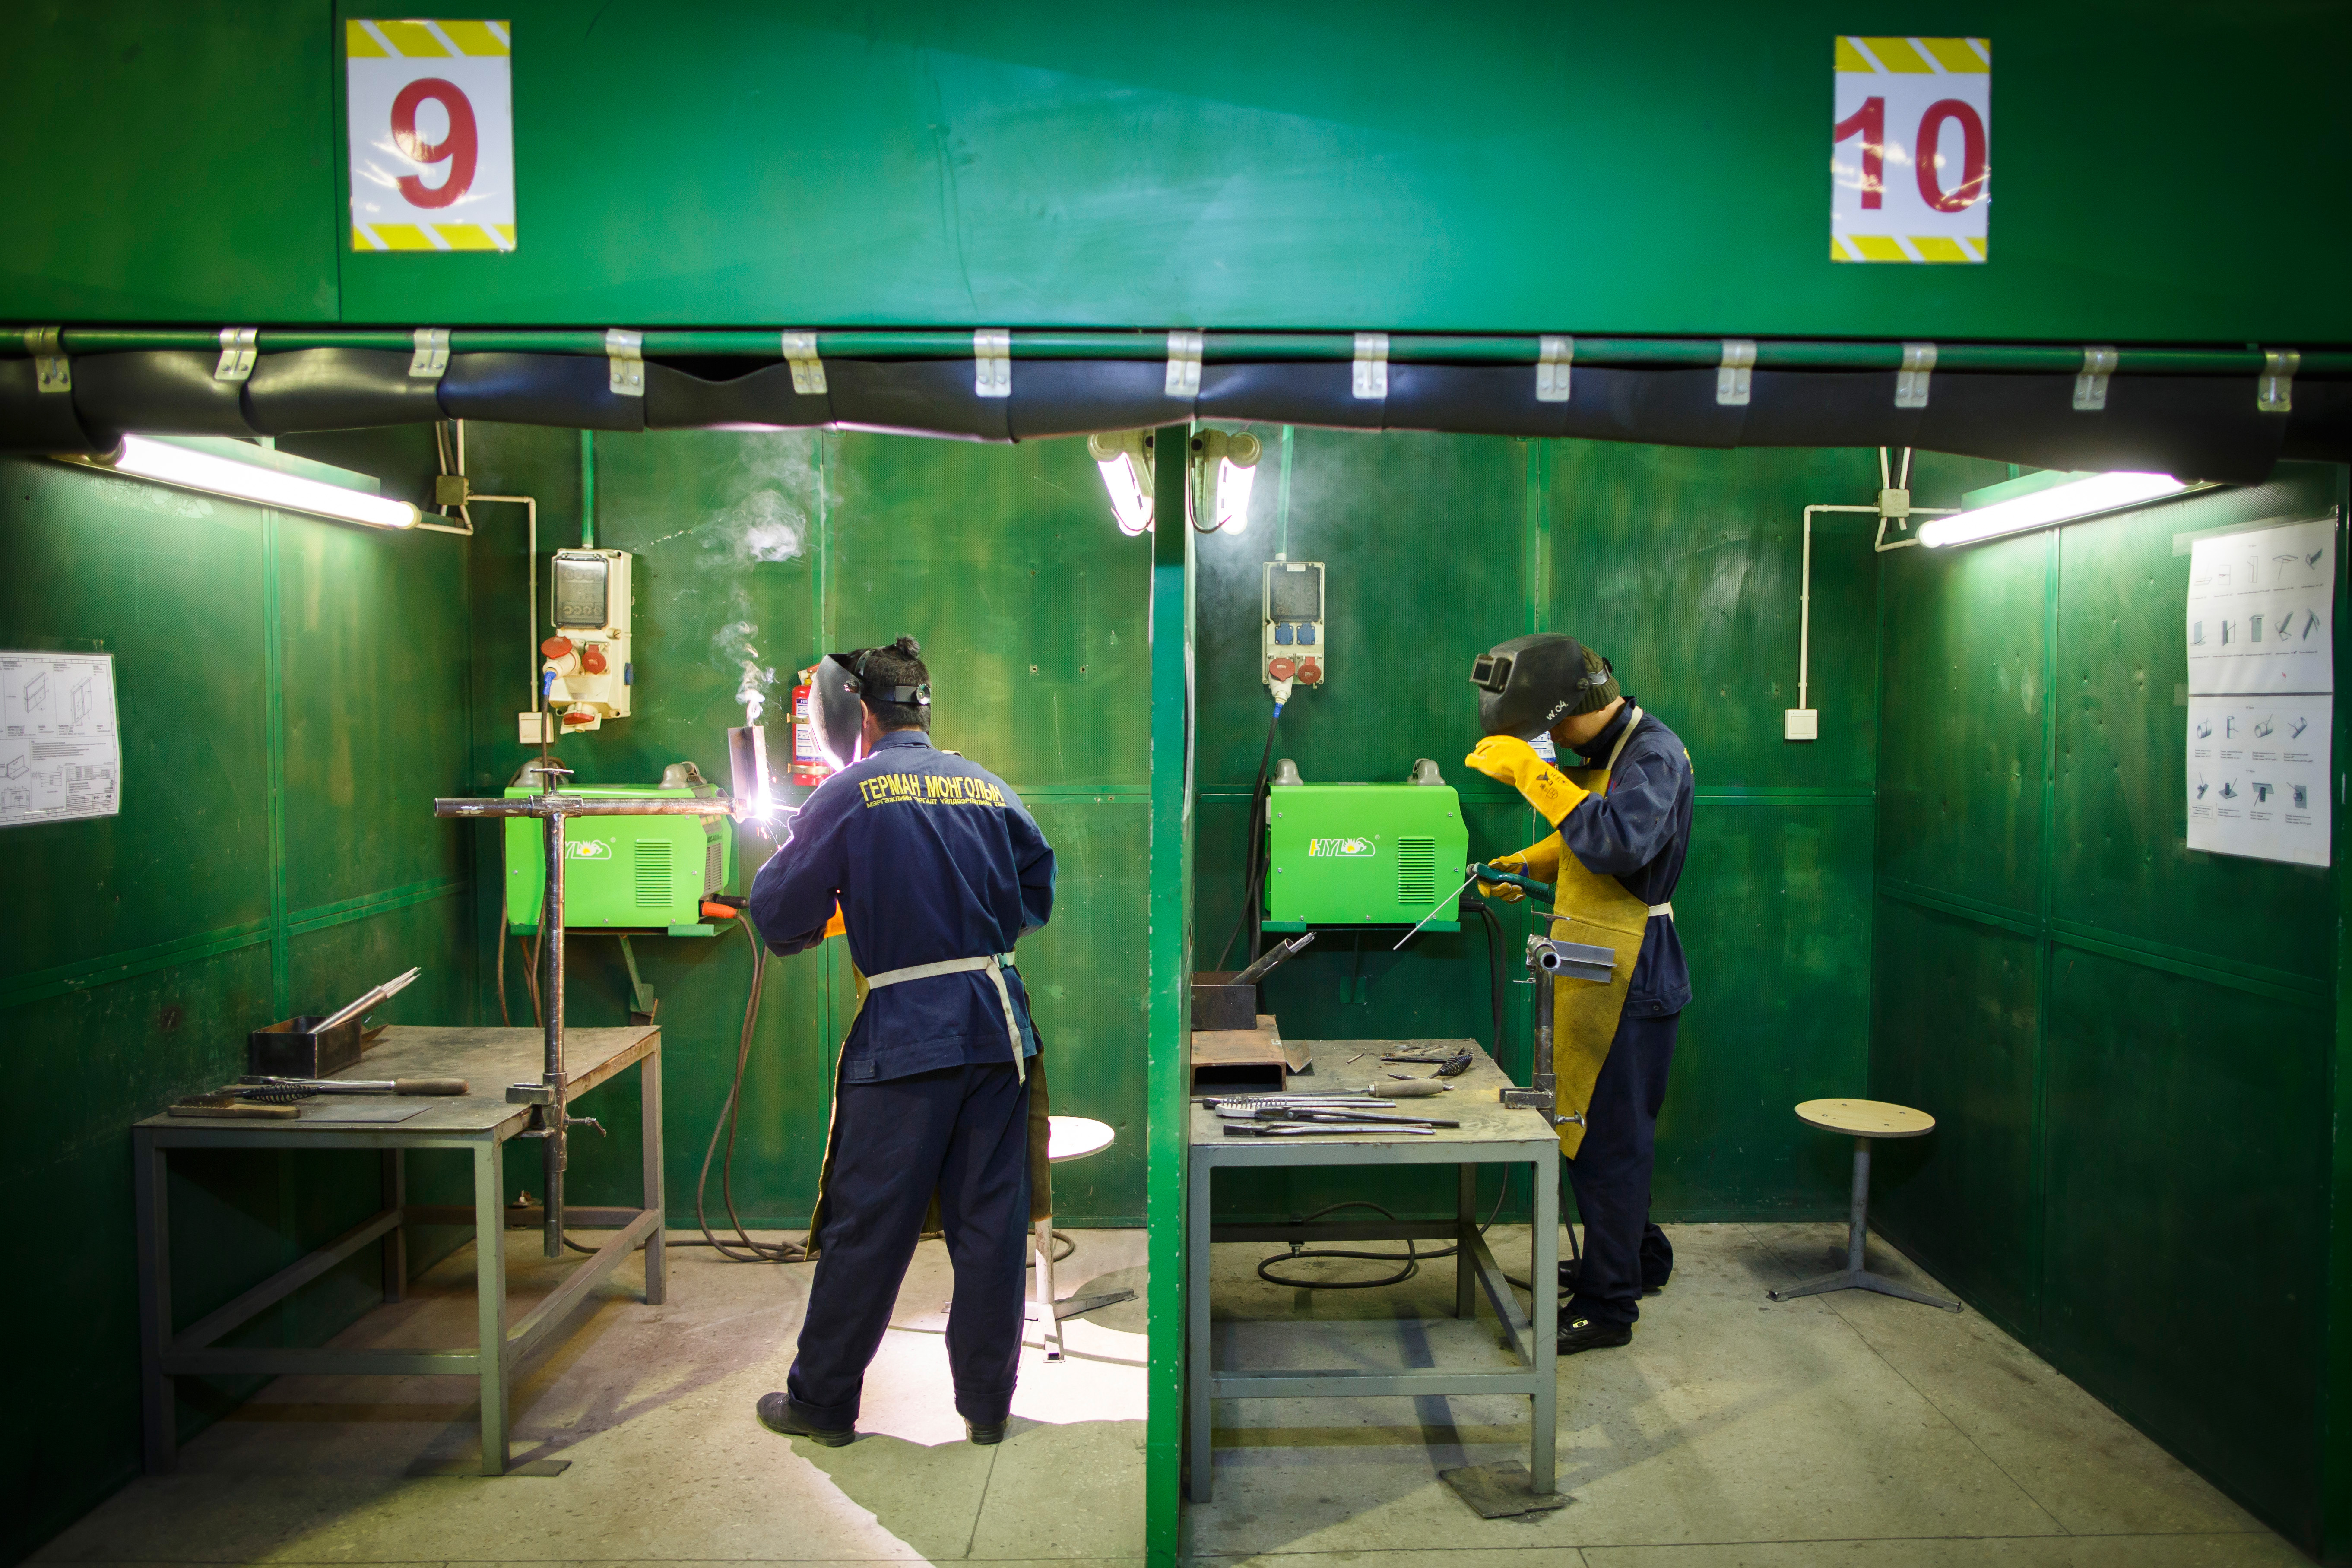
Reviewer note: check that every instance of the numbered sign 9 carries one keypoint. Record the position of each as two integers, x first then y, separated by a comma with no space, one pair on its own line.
432,134
1911,150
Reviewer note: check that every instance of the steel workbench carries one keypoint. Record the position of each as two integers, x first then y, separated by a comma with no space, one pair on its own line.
1490,1133
480,1121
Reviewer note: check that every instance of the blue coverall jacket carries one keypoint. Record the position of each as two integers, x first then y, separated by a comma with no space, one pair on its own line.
1638,832
930,858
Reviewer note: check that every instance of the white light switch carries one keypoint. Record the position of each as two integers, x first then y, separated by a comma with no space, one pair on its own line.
1802,724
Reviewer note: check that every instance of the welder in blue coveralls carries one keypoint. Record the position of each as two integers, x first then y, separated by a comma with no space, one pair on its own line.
1623,823
936,868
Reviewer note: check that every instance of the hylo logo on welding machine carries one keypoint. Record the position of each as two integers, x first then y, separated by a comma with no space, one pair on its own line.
587,850
1340,849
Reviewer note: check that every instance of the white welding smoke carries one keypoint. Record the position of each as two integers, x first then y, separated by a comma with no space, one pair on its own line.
732,643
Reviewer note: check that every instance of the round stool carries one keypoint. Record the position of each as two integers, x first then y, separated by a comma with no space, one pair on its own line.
1861,1119
1067,1138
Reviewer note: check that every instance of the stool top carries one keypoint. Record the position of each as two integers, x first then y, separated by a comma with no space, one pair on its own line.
1865,1118
1076,1137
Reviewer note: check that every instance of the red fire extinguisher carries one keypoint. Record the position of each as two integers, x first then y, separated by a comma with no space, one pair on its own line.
809,764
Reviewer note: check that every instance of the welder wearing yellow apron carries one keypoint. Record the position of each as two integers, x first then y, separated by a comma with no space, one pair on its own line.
1622,825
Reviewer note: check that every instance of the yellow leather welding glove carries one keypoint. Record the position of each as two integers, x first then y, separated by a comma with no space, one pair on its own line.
1515,763
1539,861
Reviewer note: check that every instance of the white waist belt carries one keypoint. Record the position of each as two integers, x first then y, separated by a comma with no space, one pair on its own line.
996,963
1666,910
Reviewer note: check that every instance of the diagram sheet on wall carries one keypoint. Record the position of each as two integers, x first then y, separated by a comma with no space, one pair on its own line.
2262,681
60,757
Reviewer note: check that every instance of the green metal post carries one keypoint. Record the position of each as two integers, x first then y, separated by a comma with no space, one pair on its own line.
587,490
1169,999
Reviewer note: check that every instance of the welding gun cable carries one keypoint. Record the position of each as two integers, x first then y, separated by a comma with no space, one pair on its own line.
744,1249
1253,884
1493,928
1412,1258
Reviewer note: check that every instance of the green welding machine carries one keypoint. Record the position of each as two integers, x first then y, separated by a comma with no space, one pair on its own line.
1363,854
624,873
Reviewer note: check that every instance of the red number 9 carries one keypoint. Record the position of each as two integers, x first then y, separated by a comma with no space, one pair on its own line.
458,150
1972,156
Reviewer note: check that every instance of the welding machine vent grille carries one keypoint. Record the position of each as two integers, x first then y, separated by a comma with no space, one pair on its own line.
714,866
1417,871
653,869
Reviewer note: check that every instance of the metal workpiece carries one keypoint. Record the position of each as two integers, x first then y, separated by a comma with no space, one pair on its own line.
1491,1133
1541,1093
583,806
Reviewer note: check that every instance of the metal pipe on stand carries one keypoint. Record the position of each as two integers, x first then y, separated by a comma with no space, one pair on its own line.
549,1118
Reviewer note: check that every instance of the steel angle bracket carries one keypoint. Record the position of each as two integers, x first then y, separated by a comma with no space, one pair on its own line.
808,371
624,356
1734,377
431,359
2091,386
1554,356
238,345
991,363
2274,392
1369,376
1911,381
1184,364
51,371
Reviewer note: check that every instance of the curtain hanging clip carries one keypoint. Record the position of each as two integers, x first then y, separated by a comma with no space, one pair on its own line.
624,358
992,361
1554,356
1184,364
2274,392
1368,378
432,356
1911,381
808,371
1733,378
2091,386
238,345
51,371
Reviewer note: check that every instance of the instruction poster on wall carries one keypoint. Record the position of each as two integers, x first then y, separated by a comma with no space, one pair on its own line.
59,756
2262,677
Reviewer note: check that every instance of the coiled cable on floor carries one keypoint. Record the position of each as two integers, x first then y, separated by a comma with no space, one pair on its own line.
1411,1257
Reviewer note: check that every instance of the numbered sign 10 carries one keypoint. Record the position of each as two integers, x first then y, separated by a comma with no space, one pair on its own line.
1911,150
432,132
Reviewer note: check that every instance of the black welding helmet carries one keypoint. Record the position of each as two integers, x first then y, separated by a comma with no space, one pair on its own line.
1530,684
837,698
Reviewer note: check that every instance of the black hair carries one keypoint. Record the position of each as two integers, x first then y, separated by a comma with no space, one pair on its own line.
897,665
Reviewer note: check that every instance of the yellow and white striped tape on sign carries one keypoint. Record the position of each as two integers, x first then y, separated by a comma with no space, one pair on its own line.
1911,150
432,134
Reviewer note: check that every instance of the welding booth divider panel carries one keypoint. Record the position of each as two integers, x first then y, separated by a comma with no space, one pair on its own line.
2197,427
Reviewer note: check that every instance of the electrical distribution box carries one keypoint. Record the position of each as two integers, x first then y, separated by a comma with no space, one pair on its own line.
1294,648
622,872
1363,854
585,669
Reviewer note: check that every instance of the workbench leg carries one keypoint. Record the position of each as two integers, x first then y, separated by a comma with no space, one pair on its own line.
1545,1264
158,1403
392,1180
1466,1238
1199,1363
490,1299
649,1092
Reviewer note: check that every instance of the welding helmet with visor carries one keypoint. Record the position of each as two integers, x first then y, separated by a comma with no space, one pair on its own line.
837,698
1530,684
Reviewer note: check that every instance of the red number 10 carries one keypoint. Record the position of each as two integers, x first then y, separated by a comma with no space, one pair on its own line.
1869,123
459,150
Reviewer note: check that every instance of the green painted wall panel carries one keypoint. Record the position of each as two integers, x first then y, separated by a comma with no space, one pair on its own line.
2186,1191
1027,164
170,584
2122,858
1959,793
1956,1026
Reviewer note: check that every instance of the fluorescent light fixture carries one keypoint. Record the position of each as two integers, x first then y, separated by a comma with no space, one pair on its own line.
1236,476
1124,459
169,463
2069,497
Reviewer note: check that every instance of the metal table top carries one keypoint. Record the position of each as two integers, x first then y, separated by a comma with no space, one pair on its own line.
1474,1102
488,1059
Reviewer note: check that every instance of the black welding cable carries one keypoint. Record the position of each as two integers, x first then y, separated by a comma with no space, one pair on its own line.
502,974
744,1249
1411,1257
1493,968
1253,884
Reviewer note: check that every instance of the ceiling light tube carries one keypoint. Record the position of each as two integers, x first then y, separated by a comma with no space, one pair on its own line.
1124,459
2076,498
1236,477
166,463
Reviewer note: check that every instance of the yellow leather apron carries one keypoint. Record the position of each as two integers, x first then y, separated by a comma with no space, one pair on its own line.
1595,910
1041,1173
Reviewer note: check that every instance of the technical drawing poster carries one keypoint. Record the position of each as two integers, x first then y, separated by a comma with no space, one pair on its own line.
2258,776
2260,611
59,756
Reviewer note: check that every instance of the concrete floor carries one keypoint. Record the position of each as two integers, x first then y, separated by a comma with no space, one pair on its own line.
1733,1433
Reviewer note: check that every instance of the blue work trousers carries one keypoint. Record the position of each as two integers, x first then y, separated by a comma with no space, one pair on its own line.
1610,1174
962,1132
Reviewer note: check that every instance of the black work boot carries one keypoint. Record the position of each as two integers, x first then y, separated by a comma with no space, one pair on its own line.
986,1437
1579,1330
779,1414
